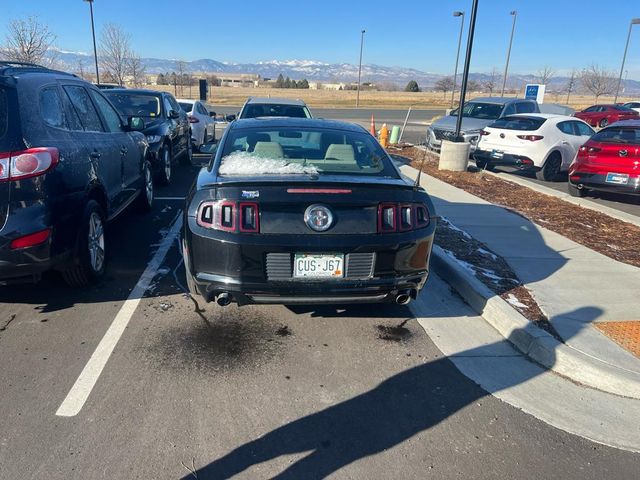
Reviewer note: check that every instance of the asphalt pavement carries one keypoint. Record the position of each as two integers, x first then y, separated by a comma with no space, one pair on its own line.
262,392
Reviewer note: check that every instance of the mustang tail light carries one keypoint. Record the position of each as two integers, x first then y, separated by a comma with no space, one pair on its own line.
27,163
531,138
394,217
229,216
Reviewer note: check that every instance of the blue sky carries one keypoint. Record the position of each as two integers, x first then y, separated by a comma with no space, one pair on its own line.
422,34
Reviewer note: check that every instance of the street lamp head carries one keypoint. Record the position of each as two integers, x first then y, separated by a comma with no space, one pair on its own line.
458,14
363,31
513,12
635,21
88,1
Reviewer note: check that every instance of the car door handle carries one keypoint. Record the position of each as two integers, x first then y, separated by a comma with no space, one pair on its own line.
565,143
95,155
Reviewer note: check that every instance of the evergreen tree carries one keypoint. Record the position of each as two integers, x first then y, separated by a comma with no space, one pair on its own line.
280,81
412,86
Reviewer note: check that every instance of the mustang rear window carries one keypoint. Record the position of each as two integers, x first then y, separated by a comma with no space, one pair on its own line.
4,113
518,123
295,151
618,135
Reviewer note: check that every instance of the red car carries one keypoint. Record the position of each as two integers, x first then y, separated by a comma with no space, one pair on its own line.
603,115
609,161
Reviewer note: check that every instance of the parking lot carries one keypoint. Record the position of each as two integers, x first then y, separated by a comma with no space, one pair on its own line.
269,391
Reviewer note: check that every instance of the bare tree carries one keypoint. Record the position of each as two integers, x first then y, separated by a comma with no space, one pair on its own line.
598,81
115,52
137,69
27,40
181,67
571,84
473,86
80,69
444,85
490,84
545,74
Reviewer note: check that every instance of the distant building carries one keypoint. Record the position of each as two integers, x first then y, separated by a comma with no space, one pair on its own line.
238,79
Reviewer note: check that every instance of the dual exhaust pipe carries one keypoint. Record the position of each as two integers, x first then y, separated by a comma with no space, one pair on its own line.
403,297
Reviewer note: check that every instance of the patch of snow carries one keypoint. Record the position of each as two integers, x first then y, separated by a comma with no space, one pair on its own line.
487,252
245,163
515,302
453,227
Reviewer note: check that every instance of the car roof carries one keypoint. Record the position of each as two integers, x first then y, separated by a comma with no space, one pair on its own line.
10,68
498,100
276,100
626,123
294,122
548,116
143,91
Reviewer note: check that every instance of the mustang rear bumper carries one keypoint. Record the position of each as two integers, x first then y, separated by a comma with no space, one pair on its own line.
219,262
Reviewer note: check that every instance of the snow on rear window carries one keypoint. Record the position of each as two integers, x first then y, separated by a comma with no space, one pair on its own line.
245,163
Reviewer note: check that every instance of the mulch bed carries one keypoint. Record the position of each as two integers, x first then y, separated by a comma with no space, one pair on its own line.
606,235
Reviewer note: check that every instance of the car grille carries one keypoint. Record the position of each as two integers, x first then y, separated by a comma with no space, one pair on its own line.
443,134
358,265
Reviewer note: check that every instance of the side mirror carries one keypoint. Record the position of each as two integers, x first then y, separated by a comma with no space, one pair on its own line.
135,124
209,148
212,114
230,118
173,114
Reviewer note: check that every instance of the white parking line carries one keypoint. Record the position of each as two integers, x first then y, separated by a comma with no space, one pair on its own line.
81,390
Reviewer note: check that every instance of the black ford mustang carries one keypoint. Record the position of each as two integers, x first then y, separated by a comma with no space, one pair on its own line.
297,211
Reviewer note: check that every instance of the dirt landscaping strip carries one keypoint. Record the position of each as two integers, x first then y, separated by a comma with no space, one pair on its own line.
606,235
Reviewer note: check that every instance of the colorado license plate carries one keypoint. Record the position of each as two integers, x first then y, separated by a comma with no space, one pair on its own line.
619,178
318,266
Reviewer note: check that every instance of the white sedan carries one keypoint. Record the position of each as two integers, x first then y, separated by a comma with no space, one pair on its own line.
202,122
543,143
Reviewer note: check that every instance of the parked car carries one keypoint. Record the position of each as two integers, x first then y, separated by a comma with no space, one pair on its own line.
203,125
107,86
603,115
167,127
542,143
476,114
274,107
633,106
609,161
68,165
299,211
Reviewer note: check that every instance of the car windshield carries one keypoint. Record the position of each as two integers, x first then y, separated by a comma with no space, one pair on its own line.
311,151
618,135
4,113
135,104
518,123
488,111
187,107
274,110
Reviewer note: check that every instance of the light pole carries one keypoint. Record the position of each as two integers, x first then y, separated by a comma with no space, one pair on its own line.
93,33
465,71
455,72
360,68
634,21
514,14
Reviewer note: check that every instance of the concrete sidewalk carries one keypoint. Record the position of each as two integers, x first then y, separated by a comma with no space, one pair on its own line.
569,281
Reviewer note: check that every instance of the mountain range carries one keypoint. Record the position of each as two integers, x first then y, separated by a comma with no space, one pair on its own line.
319,71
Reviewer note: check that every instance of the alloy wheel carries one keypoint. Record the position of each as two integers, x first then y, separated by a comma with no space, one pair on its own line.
96,242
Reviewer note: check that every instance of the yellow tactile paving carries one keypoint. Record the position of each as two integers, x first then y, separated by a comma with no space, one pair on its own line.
625,334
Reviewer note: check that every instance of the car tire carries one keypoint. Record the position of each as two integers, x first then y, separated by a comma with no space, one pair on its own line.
187,156
91,254
603,123
165,165
484,165
575,191
144,202
551,168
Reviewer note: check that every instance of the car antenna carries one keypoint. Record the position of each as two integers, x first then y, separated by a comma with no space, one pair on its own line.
417,184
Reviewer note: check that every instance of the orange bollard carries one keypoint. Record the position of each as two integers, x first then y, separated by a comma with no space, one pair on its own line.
373,126
384,136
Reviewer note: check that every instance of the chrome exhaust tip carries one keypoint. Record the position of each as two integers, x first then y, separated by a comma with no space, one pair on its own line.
223,299
403,298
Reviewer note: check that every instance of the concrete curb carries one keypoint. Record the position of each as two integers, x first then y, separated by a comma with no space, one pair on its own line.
581,202
532,341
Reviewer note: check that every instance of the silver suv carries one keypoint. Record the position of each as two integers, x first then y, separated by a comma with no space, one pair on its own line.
476,114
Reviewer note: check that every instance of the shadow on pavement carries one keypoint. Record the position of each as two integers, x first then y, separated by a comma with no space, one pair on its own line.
396,410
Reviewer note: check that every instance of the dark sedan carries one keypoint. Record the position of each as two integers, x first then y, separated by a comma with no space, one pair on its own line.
305,211
166,126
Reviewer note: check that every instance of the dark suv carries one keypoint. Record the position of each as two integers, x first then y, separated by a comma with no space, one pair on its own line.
167,127
68,165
